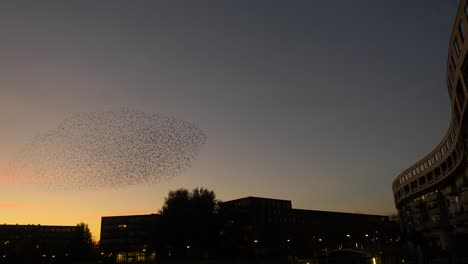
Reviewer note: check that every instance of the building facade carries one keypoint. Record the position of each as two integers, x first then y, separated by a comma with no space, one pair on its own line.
251,227
432,195
37,243
128,238
269,226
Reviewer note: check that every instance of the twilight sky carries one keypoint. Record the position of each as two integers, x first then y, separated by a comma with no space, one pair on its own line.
320,102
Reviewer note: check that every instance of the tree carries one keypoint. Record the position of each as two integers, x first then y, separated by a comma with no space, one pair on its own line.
82,245
190,220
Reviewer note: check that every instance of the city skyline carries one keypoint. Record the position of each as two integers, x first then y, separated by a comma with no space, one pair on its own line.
287,113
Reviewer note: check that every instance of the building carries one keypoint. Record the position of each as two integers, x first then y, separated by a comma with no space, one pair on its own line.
432,195
128,238
38,242
251,227
265,226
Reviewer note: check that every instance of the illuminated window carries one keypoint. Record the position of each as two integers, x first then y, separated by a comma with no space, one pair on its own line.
122,226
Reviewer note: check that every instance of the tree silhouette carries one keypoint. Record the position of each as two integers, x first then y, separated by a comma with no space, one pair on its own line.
190,221
82,246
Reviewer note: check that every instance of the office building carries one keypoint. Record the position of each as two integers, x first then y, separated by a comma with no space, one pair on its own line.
432,195
128,238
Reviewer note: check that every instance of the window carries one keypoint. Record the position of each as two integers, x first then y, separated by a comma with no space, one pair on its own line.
421,167
429,177
414,172
417,170
422,181
460,95
461,30
457,47
454,59
425,165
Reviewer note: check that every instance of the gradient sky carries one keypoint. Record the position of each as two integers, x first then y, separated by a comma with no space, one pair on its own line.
320,102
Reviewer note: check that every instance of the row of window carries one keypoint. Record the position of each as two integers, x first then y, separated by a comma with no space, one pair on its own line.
457,45
429,162
431,206
428,178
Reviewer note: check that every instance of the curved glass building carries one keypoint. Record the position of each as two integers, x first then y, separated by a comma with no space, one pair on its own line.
432,195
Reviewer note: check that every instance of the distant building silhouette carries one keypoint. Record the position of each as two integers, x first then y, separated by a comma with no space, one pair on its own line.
37,242
271,226
256,227
432,195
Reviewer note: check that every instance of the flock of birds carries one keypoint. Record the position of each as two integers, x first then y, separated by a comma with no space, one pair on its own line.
111,149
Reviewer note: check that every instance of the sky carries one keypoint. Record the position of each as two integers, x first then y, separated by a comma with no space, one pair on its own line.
320,102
